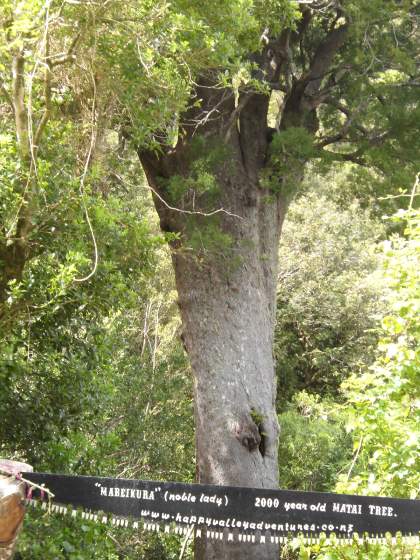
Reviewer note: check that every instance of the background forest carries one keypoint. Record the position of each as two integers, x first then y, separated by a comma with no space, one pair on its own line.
93,373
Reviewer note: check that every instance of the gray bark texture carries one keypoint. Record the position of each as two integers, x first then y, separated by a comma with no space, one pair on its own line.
227,319
227,304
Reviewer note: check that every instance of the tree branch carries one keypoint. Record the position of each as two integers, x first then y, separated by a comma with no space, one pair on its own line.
47,94
56,60
18,99
350,116
357,156
353,157
322,59
304,97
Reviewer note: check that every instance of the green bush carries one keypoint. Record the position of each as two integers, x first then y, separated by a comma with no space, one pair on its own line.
314,445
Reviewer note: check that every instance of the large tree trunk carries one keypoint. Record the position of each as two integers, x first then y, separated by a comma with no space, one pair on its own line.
227,304
227,314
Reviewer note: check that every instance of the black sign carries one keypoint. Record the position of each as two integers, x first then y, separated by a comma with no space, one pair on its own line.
232,512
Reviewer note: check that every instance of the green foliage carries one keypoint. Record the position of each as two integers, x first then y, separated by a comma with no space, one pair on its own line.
328,293
313,446
68,539
157,52
276,15
345,183
76,406
74,539
200,182
357,550
75,354
376,85
384,399
257,417
209,240
289,151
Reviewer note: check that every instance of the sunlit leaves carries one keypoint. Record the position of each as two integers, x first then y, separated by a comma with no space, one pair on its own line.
386,399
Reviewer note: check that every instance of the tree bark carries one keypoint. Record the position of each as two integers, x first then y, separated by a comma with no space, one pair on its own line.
227,304
228,330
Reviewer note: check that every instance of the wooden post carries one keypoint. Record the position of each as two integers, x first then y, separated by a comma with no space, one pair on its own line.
12,505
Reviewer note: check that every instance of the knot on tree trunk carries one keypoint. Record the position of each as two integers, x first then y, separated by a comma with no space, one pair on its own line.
248,434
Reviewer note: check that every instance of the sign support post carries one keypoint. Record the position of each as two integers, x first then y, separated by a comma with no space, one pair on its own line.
12,505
